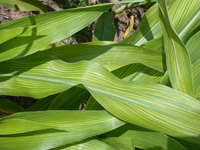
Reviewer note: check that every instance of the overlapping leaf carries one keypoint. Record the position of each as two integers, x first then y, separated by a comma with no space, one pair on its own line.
193,49
185,17
88,145
25,5
120,143
70,99
109,54
150,105
144,138
50,129
178,61
104,30
150,28
196,75
7,3
7,34
138,72
41,104
184,22
49,28
7,107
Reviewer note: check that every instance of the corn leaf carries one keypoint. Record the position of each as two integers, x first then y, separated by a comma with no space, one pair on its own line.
25,5
144,138
184,16
189,145
109,54
178,61
7,34
133,72
21,126
191,16
196,76
152,106
63,127
193,47
120,143
69,100
154,45
92,104
48,28
42,104
9,107
7,3
88,145
138,72
148,29
104,30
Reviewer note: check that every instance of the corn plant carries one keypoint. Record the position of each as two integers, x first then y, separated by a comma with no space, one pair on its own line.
141,93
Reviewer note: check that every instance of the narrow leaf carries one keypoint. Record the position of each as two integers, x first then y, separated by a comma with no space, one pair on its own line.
63,127
7,3
145,139
70,99
9,107
88,145
49,28
177,58
109,54
193,47
25,5
7,34
17,126
184,16
41,104
152,106
196,76
104,30
120,143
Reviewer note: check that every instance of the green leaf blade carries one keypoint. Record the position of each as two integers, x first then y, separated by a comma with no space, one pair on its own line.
104,30
48,28
62,128
145,139
178,61
149,105
88,145
9,107
7,34
111,55
25,5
